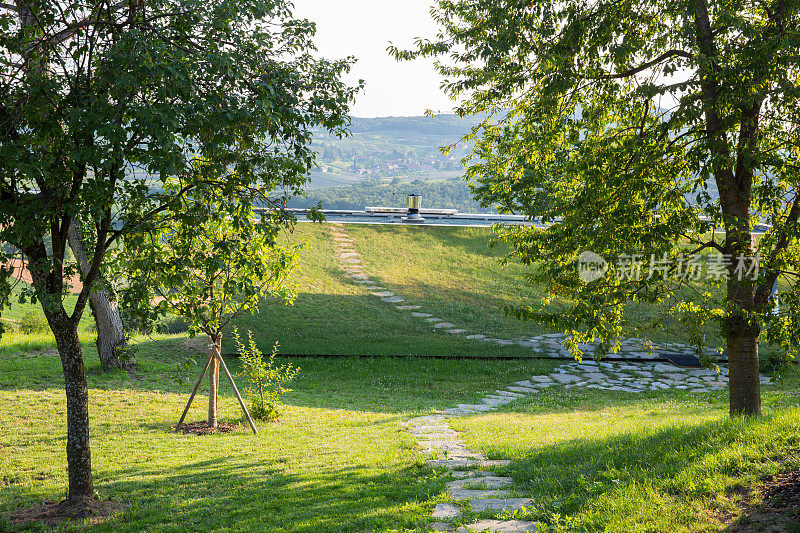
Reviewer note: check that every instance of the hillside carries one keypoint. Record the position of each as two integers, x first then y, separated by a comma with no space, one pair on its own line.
390,147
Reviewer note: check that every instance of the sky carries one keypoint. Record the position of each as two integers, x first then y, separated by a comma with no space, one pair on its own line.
364,28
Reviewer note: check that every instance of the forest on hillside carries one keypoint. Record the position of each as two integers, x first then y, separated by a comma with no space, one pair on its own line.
447,194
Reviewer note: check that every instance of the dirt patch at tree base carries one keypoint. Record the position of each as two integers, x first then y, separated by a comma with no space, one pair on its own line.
88,510
202,428
777,512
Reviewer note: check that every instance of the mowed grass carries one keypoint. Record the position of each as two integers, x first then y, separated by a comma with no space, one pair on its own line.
340,459
594,461
454,273
450,271
334,316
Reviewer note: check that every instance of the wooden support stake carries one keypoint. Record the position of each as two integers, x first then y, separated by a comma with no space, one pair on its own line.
238,396
196,386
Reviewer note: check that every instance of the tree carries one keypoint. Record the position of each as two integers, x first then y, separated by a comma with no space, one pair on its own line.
102,102
111,340
615,123
208,260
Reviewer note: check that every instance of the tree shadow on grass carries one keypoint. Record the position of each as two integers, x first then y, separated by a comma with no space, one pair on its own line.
637,472
225,493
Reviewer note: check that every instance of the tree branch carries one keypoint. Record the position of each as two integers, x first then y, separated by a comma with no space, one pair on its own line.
644,66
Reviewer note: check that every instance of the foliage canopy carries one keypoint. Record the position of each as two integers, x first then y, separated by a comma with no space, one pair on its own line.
652,128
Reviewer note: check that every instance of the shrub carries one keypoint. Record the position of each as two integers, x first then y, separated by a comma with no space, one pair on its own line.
173,325
265,380
8,327
33,323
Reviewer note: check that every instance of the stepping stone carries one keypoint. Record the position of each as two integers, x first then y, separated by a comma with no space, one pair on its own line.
507,393
460,464
661,367
433,319
383,294
489,482
527,390
525,383
448,446
454,411
352,261
436,436
456,331
474,407
433,428
503,342
442,526
345,255
446,510
595,376
393,299
496,402
499,504
498,526
364,281
444,325
475,336
359,276
470,494
541,379
421,315
408,307
565,378
425,420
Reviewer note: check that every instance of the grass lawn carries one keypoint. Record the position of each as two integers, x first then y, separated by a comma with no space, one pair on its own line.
333,315
339,460
669,461
450,271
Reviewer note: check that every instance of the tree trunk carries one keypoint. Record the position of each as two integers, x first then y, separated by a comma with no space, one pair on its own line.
213,381
110,331
742,345
79,455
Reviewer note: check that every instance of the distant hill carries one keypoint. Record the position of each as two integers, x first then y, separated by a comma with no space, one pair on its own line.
386,148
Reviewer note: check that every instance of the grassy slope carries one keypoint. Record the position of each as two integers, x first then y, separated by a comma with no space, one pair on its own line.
332,315
455,273
451,271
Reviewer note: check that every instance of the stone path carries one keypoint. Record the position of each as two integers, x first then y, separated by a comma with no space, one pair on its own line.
546,345
477,485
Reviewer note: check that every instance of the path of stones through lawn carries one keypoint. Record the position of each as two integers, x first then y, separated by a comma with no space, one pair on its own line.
476,478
